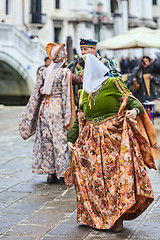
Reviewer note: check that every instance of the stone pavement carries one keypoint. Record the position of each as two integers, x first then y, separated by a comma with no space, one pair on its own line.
32,209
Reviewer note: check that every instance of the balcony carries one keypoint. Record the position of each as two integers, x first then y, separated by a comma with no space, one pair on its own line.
136,22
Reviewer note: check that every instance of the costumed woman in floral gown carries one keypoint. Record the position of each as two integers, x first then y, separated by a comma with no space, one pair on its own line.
50,115
109,152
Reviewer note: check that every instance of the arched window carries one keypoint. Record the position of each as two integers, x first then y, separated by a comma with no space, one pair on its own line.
114,6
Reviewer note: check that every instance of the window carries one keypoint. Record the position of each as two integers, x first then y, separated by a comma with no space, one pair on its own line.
8,7
33,6
57,4
36,15
154,2
36,6
114,6
0,5
90,2
155,20
57,32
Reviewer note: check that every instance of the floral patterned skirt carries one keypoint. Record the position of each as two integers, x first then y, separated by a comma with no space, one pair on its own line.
50,151
109,173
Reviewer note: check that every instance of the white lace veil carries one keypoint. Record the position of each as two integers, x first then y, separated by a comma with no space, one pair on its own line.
94,72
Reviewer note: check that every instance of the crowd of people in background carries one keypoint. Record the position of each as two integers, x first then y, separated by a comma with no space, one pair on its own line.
144,79
128,64
134,68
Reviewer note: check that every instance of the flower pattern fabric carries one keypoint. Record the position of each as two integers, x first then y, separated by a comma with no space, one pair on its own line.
29,118
109,172
49,117
50,151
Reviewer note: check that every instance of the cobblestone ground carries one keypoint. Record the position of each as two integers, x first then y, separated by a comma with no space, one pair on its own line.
32,209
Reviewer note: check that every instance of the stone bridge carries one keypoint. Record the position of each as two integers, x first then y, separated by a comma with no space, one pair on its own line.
20,57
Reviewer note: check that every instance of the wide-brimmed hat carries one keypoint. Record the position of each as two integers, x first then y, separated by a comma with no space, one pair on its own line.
58,56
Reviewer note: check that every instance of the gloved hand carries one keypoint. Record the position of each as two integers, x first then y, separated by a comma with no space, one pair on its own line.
132,114
41,90
71,146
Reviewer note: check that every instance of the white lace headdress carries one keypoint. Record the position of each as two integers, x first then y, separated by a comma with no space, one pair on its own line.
94,72
53,68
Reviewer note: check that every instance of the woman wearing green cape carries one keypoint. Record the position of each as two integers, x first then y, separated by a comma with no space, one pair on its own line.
109,153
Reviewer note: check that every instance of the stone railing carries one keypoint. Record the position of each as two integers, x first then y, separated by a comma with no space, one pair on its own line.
24,54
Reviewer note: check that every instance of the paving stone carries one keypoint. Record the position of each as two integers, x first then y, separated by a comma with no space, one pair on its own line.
70,219
59,206
41,199
2,190
156,196
144,238
7,171
49,188
156,188
23,187
7,237
2,230
45,219
5,184
73,230
9,220
28,230
142,215
22,175
4,160
155,209
14,164
16,180
155,178
22,207
70,195
60,237
149,230
152,217
131,225
108,234
3,205
129,229
9,197
38,180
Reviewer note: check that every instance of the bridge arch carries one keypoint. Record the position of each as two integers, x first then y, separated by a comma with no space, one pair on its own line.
20,57
15,82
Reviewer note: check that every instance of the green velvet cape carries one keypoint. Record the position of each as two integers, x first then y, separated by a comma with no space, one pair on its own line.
103,103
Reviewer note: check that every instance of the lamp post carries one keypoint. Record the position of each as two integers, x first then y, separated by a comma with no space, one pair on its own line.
99,18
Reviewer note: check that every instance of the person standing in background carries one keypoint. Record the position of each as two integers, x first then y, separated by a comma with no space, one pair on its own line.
49,114
142,83
47,62
89,46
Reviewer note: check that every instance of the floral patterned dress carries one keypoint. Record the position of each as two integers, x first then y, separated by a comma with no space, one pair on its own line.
49,116
108,163
50,151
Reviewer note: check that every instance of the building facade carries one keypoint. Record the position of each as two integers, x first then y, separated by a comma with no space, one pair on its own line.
55,20
26,26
